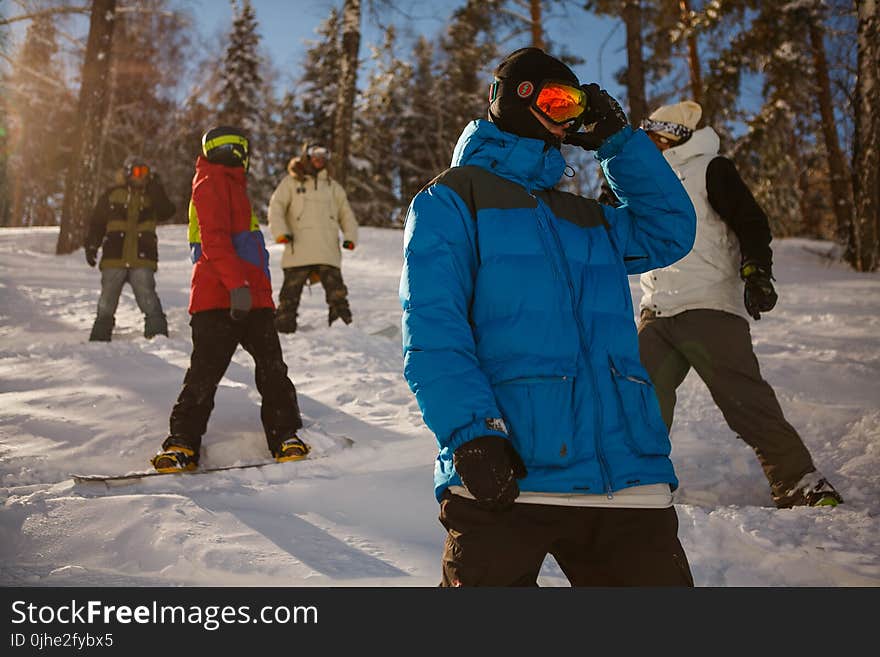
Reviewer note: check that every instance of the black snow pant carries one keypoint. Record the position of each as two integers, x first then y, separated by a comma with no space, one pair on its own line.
215,337
718,345
593,546
335,293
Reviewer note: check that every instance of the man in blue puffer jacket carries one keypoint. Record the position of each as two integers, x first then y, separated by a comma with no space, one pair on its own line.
520,343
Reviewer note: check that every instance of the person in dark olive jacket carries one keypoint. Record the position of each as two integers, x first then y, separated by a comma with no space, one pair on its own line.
696,313
123,226
520,345
231,305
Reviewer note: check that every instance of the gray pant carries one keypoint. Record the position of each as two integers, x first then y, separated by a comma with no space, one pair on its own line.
143,283
718,345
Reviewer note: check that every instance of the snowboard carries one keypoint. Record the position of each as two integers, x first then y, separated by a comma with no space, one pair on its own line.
134,477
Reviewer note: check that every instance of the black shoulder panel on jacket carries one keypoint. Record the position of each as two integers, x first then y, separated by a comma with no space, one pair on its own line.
579,210
481,189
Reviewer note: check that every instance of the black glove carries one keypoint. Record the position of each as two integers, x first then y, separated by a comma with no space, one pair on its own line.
240,302
602,118
489,467
91,255
759,295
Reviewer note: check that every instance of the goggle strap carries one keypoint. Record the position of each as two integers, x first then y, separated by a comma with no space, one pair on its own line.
225,139
493,91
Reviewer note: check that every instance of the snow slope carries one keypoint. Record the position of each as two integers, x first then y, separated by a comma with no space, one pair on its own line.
366,516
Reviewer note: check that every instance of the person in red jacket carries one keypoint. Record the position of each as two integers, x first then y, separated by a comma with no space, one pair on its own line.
231,304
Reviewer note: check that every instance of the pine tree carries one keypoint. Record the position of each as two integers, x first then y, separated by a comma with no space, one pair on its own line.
244,101
864,246
768,159
421,155
635,69
317,91
468,52
241,79
374,180
142,109
637,15
347,90
839,181
81,185
287,136
40,104
4,141
776,47
305,114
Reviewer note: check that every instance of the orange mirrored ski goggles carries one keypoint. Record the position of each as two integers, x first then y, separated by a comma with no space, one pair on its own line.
140,172
559,102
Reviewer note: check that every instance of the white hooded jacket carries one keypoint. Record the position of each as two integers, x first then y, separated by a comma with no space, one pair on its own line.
708,277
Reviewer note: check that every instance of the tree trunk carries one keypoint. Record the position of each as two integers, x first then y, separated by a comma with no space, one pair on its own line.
635,70
693,52
348,67
864,243
536,26
840,181
17,211
81,182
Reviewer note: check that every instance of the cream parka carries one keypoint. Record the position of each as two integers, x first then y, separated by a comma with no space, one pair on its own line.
313,209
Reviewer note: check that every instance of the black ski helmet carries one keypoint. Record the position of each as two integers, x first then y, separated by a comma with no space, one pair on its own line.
226,145
135,169
517,79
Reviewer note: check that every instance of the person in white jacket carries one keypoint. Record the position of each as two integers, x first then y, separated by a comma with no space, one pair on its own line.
695,312
307,211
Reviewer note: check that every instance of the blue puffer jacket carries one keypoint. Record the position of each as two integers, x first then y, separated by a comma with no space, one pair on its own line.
517,308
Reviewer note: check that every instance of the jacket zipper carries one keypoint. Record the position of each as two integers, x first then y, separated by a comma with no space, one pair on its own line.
625,376
532,379
604,468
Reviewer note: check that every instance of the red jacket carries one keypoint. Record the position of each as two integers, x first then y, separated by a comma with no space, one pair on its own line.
226,242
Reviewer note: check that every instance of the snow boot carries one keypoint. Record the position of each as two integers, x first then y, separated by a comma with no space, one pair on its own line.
155,325
812,490
292,449
339,312
285,322
102,329
175,456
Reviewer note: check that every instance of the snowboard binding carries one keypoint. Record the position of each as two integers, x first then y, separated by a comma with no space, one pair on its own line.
175,458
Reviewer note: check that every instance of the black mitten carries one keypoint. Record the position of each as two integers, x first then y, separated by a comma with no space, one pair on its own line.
240,302
91,255
489,467
603,118
759,295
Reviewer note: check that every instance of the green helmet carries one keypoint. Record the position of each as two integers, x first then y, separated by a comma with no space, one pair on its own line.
226,145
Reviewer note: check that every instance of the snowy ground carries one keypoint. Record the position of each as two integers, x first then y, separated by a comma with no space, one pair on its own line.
366,516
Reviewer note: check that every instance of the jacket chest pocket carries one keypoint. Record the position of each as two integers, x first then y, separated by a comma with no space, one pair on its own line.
112,245
148,246
539,412
645,433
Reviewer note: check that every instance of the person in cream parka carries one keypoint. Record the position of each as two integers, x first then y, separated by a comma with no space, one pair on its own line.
307,211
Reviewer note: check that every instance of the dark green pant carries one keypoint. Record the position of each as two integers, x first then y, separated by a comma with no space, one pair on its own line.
593,546
335,293
718,345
